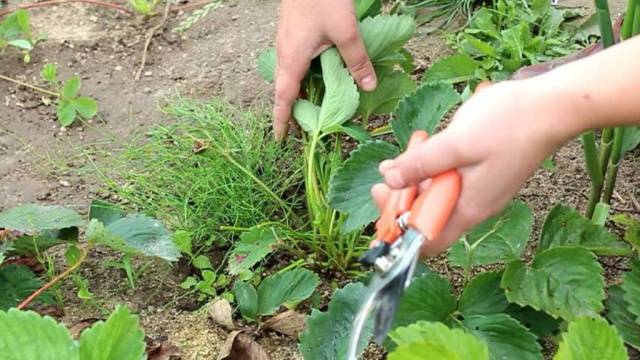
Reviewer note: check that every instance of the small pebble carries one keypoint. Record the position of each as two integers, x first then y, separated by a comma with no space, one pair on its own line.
65,183
118,68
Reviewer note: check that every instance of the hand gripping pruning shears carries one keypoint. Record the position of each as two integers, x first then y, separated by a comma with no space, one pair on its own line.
407,220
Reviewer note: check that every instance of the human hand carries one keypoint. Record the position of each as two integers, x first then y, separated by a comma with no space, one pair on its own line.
307,28
496,140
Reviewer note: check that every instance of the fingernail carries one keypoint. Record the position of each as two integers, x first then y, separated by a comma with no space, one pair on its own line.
394,179
385,166
368,83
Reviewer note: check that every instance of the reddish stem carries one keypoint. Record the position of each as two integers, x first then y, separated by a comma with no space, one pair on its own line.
53,281
57,2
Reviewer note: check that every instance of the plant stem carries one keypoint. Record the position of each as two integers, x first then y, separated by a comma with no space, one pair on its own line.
629,18
593,167
604,19
32,87
612,171
45,287
606,30
636,21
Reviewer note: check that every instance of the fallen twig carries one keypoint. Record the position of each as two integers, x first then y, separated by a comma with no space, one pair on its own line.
33,87
58,2
150,34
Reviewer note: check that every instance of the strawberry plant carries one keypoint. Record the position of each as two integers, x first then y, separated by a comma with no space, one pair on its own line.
29,230
15,31
70,104
337,191
286,288
25,335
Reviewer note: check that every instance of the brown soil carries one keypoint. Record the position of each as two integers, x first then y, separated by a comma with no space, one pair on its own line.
214,58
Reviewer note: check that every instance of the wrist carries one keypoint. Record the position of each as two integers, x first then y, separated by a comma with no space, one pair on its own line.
566,110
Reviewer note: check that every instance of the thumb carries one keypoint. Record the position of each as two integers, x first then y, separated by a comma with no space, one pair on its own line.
357,60
424,161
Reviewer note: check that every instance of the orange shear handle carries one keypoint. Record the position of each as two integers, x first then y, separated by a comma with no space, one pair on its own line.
398,202
429,212
432,209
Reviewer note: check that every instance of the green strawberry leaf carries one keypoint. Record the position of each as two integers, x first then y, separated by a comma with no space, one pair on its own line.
118,338
66,112
85,106
16,283
565,226
620,316
286,288
21,44
429,297
247,300
144,234
632,233
501,238
591,339
384,34
631,287
25,335
252,247
453,69
483,295
366,8
392,87
32,218
356,131
538,322
350,186
435,341
70,88
307,114
105,212
341,97
505,336
630,138
267,64
423,110
564,282
326,334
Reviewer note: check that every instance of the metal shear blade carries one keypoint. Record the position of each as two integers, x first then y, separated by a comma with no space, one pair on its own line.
385,290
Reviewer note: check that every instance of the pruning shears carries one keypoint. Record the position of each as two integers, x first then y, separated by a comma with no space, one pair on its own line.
407,220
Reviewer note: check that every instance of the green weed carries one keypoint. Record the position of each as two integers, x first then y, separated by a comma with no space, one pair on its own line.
145,8
215,166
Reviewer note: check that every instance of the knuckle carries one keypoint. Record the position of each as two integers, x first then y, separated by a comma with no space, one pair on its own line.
349,36
360,65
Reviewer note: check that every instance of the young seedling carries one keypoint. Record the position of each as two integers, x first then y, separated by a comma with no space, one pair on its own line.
15,31
70,104
146,8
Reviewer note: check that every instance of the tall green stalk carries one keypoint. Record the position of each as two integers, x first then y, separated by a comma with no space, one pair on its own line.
606,31
614,161
629,19
593,167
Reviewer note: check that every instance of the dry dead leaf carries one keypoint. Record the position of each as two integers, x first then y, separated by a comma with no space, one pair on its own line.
240,346
289,323
161,350
78,327
220,312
